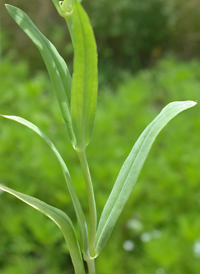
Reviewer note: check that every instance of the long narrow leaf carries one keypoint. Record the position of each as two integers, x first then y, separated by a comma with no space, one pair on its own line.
72,191
84,82
130,171
56,66
61,220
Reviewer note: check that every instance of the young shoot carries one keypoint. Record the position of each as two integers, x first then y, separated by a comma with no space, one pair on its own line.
77,98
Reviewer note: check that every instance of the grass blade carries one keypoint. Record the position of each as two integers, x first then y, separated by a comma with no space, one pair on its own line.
61,220
72,191
84,82
130,171
56,66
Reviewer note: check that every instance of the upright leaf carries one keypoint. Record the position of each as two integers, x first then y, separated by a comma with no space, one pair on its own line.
84,82
72,191
61,220
56,66
130,171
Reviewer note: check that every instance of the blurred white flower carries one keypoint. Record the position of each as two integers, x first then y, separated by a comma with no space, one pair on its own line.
160,271
145,237
128,245
196,248
135,225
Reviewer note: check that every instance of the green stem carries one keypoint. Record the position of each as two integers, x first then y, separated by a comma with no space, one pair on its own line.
91,199
91,266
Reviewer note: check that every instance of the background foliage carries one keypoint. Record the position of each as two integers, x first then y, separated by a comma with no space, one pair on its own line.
160,223
159,230
130,35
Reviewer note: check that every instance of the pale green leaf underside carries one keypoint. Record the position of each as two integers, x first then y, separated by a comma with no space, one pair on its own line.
56,66
60,219
130,171
72,191
84,82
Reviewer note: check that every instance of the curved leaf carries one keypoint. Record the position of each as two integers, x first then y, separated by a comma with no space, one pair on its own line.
61,220
130,171
72,191
56,66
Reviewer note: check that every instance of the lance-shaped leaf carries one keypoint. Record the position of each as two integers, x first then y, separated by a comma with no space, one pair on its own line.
72,191
130,171
61,220
84,82
56,66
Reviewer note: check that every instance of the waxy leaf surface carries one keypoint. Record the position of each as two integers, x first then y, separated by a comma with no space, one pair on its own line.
56,66
60,219
130,171
84,82
72,191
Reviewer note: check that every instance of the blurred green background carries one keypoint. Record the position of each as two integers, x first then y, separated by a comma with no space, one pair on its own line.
149,55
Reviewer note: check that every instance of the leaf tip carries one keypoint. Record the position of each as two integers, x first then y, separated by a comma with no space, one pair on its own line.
194,103
5,116
7,6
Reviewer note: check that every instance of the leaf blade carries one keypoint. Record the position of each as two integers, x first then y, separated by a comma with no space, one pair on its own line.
60,219
56,66
130,171
77,206
84,82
